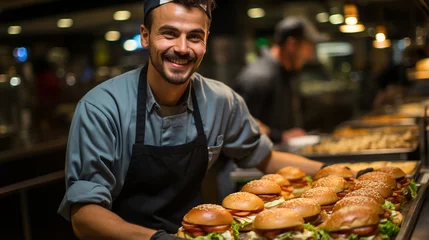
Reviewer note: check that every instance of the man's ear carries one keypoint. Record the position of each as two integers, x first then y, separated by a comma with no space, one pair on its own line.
144,36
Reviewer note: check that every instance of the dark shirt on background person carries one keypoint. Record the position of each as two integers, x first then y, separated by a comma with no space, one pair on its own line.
268,85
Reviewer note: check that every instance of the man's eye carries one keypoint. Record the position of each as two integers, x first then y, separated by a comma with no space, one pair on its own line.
169,33
195,37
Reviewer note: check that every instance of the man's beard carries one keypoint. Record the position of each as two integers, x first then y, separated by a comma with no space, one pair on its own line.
176,79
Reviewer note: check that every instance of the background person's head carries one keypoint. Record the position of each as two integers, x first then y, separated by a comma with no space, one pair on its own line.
294,41
176,32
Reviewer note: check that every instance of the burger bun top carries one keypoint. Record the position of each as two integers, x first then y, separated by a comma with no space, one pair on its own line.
277,218
243,201
208,215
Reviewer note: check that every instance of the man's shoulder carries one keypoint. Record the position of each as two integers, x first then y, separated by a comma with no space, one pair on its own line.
211,88
114,90
261,69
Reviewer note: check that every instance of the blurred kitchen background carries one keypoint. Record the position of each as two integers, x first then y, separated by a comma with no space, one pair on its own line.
52,52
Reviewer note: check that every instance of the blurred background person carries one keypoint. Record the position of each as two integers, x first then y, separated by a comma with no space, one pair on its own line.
268,85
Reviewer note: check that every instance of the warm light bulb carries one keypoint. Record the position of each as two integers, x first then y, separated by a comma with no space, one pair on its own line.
351,20
380,37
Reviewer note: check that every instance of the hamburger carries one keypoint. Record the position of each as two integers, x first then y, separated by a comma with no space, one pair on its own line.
268,191
397,197
361,201
308,209
379,176
367,192
279,223
336,171
324,196
287,189
362,222
207,220
378,186
338,184
243,207
297,178
403,184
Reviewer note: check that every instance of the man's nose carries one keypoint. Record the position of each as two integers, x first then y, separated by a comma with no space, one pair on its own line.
182,45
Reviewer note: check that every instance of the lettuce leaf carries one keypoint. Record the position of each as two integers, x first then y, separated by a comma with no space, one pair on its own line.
324,235
235,226
274,203
284,236
387,228
388,205
309,179
413,189
353,237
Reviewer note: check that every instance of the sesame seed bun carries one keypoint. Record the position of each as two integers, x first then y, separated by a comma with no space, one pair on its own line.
279,179
380,176
209,215
243,201
334,171
277,218
359,201
291,173
351,217
262,187
305,207
395,172
338,184
322,195
378,186
367,192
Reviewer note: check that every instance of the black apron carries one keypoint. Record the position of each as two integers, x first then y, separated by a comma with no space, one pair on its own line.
162,183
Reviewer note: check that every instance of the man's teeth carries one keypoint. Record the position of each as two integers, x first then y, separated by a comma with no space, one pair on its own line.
178,61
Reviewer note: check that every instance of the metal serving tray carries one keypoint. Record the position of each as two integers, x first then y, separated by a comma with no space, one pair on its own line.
374,124
366,155
411,212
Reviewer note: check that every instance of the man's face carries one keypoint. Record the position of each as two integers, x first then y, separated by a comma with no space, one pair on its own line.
296,53
304,53
176,41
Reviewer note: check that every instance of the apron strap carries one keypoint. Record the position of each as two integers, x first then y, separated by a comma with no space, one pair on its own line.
141,108
196,113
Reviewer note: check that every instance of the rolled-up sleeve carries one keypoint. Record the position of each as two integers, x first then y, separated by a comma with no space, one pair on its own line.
243,141
90,155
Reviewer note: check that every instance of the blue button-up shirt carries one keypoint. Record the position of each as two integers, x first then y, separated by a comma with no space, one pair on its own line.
103,131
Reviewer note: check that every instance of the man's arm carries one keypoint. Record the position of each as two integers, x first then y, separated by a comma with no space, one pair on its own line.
276,160
91,221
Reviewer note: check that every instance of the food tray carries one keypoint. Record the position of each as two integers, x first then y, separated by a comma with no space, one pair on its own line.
374,124
366,155
411,212
411,168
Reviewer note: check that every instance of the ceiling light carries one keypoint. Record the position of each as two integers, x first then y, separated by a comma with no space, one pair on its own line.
256,13
336,19
407,41
121,15
12,30
322,17
65,23
384,44
130,45
351,20
352,28
112,36
380,37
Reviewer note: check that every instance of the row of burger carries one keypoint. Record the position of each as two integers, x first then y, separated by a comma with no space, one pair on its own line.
289,205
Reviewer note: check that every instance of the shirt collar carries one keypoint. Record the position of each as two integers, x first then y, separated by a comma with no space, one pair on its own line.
151,102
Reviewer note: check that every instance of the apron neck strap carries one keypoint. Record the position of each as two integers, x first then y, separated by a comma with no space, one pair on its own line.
141,108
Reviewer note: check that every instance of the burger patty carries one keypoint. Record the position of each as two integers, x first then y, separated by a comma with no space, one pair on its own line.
342,194
201,230
270,234
313,220
269,197
298,183
361,231
240,213
287,189
386,214
327,208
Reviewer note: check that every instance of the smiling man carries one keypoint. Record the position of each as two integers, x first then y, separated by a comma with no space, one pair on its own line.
141,143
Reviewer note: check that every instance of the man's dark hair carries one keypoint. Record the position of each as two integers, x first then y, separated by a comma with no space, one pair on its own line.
148,20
